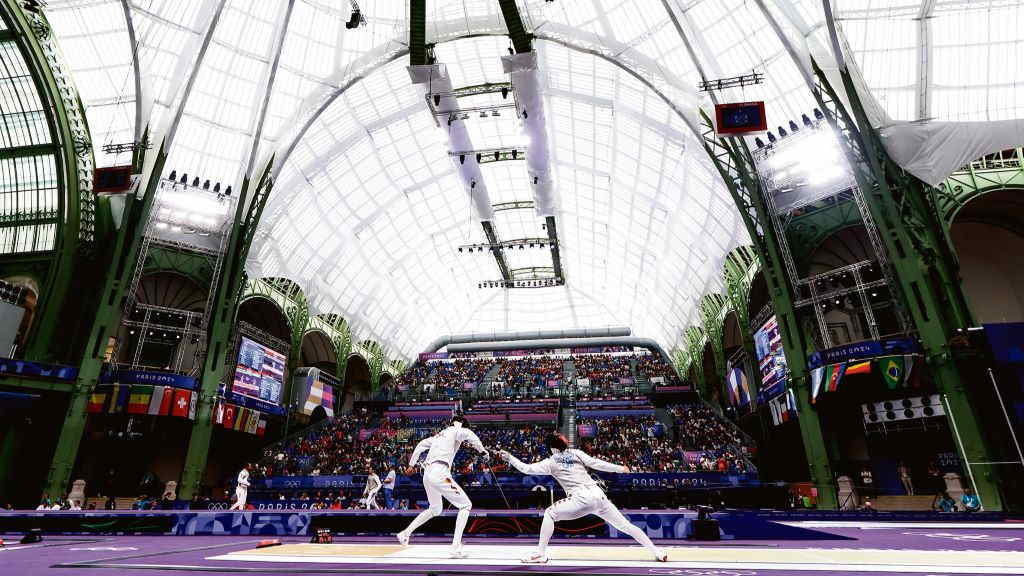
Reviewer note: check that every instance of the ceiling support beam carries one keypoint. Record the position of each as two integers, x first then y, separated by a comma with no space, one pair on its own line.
924,58
499,255
521,41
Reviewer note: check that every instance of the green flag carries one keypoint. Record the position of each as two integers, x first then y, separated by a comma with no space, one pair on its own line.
892,369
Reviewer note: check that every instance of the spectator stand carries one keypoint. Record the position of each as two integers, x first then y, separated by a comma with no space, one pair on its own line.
707,436
604,374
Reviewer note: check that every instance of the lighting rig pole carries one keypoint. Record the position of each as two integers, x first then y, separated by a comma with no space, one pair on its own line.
925,271
228,291
736,166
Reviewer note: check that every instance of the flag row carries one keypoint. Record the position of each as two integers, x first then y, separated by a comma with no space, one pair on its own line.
239,418
143,399
896,371
783,407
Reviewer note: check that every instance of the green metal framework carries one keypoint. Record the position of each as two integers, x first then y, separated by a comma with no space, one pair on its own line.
48,163
713,308
907,217
736,166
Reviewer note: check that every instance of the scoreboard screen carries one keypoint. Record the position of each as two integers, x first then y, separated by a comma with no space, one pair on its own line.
740,118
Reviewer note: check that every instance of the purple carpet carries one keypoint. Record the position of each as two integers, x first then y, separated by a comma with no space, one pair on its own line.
156,555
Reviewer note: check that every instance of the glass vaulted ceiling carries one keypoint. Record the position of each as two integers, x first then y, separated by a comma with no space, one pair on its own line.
368,208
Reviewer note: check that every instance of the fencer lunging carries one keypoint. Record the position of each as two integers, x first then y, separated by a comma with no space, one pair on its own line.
583,494
438,481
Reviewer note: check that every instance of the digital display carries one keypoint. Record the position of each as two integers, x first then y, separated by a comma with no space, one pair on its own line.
770,358
259,373
740,118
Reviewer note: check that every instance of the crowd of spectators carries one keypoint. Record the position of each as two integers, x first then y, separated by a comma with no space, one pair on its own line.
642,442
636,441
604,371
335,448
653,365
699,428
529,370
448,376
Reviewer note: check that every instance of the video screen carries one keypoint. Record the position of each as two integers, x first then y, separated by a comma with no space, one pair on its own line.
259,373
770,358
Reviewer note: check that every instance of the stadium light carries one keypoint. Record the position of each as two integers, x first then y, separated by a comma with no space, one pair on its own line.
816,159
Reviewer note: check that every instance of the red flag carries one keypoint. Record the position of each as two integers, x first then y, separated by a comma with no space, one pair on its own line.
165,402
261,428
182,398
229,415
96,402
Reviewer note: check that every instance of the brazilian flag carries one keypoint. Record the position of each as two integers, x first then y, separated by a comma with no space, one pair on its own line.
893,369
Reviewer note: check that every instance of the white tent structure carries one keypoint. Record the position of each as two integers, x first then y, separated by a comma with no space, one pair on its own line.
369,207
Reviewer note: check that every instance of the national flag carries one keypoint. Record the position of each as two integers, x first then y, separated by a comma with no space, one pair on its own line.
817,379
96,402
230,411
111,405
834,375
181,400
156,400
893,371
218,413
166,400
118,398
193,401
791,410
254,421
240,417
138,401
261,427
859,368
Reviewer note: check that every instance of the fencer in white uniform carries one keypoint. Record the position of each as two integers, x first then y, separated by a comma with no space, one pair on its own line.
583,494
241,489
370,491
441,449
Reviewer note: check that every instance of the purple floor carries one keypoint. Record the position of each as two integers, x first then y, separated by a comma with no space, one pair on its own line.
156,555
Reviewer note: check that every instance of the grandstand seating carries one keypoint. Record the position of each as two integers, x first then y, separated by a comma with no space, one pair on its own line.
611,425
541,410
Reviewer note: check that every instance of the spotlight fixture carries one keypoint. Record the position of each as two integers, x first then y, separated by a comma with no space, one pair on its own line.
759,142
525,115
206,185
497,154
792,126
771,137
818,115
806,120
479,157
515,153
782,132
437,99
184,178
173,176
504,93
195,182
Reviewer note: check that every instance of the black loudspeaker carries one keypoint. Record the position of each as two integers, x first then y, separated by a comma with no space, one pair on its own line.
706,529
35,535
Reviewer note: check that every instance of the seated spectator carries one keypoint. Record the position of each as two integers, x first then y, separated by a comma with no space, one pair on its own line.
943,502
970,501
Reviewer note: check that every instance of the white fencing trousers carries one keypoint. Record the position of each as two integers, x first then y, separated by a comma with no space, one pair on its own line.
241,493
440,486
371,500
592,500
438,482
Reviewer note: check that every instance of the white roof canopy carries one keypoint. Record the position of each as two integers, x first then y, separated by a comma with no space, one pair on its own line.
369,209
